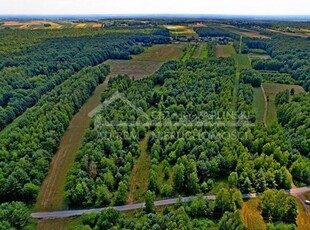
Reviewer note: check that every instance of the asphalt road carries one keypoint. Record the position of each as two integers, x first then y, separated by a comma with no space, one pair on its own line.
69,213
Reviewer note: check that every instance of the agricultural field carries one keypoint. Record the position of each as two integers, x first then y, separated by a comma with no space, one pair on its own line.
244,32
181,31
160,130
136,69
293,34
35,25
202,52
271,89
146,63
242,61
225,50
161,53
189,52
31,25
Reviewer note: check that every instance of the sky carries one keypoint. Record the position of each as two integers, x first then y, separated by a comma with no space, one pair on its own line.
229,7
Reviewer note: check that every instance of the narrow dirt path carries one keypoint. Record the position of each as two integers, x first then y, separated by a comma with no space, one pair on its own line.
265,107
51,196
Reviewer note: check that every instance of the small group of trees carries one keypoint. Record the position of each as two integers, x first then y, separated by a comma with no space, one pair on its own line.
278,206
216,32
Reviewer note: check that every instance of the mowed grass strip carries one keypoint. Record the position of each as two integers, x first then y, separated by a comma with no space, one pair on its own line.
259,104
251,215
242,61
225,50
201,51
161,53
271,89
189,52
139,177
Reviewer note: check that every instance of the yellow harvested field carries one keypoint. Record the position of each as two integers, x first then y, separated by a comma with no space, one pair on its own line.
81,25
181,30
32,23
251,215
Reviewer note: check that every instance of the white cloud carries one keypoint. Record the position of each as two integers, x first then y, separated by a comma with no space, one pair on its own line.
244,7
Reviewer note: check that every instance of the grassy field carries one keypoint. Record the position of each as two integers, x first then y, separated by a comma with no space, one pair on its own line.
242,61
161,53
48,25
251,215
32,25
138,183
136,69
145,64
303,219
189,52
271,89
259,104
65,223
201,51
225,50
181,30
258,56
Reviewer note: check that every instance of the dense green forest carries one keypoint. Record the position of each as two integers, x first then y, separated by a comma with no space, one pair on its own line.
28,74
29,145
294,115
290,55
193,150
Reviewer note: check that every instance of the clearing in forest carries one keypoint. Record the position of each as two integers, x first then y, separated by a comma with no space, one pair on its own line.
133,68
138,183
242,61
271,89
251,215
189,52
259,104
225,50
202,51
161,53
146,63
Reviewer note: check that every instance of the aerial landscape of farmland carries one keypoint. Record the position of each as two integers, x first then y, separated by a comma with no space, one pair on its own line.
154,120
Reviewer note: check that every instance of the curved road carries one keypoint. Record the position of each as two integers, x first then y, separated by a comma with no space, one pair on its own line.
69,213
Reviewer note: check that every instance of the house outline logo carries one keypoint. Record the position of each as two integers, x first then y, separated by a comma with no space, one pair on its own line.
95,113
